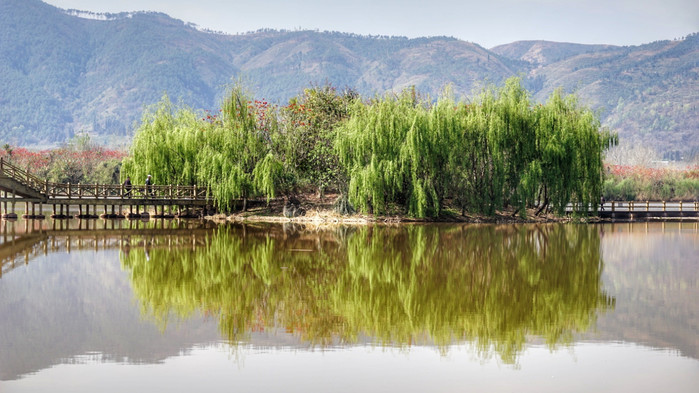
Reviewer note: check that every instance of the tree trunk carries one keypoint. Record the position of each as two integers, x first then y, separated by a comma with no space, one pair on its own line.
546,202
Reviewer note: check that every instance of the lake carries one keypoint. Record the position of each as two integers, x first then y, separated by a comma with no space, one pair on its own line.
181,306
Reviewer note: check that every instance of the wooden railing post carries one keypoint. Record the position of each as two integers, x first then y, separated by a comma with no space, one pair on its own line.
80,192
664,206
647,205
680,206
69,192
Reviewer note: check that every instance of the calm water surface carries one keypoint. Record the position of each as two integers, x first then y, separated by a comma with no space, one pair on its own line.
183,306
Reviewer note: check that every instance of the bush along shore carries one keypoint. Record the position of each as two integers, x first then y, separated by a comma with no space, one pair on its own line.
635,183
401,155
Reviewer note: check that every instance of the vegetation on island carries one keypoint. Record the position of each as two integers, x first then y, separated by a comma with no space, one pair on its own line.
396,154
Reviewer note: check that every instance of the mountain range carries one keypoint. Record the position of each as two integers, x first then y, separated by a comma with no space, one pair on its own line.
67,72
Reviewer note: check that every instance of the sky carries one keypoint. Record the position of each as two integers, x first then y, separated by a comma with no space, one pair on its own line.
485,22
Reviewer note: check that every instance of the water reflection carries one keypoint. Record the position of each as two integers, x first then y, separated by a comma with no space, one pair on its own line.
490,285
23,241
63,295
67,296
652,270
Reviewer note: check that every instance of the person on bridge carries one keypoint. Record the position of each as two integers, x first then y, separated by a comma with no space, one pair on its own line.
149,183
127,186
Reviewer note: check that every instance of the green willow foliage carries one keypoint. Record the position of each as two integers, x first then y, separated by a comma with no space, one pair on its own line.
490,285
502,150
393,154
236,150
229,154
166,145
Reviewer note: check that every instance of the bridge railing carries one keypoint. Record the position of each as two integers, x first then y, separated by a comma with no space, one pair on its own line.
652,206
23,177
114,191
638,207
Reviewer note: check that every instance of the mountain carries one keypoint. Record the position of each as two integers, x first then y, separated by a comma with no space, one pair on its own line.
66,72
281,64
649,94
61,74
545,52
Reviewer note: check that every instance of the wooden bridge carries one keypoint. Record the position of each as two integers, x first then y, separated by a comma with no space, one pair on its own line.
17,186
635,210
641,210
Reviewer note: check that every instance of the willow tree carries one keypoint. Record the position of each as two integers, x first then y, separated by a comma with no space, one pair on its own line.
379,146
510,152
517,141
165,145
570,147
228,154
416,154
425,155
236,146
475,159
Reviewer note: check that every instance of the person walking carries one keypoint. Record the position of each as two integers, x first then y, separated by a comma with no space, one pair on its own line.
149,185
127,186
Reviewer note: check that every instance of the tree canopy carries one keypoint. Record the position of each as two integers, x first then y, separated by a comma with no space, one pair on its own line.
400,153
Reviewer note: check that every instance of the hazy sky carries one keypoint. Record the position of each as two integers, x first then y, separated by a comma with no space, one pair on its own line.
485,22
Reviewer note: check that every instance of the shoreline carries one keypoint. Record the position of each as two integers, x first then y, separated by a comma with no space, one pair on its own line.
316,210
328,216
499,219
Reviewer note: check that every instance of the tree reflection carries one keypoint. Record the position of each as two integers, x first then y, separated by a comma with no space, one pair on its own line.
491,285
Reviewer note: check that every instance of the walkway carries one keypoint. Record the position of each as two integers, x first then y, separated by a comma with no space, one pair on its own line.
17,185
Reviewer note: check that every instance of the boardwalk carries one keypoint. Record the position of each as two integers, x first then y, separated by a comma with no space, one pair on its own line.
17,186
635,210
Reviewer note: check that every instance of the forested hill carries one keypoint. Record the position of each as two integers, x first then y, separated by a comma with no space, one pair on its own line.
648,93
62,74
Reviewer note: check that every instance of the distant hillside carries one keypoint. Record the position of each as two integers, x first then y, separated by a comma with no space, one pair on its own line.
648,93
545,52
61,74
281,64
